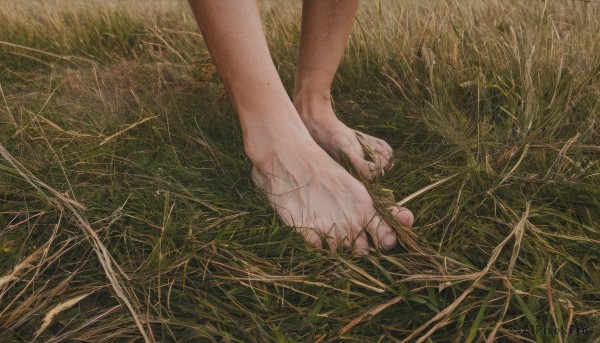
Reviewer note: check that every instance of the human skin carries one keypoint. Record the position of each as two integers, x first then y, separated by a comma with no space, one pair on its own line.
325,32
305,186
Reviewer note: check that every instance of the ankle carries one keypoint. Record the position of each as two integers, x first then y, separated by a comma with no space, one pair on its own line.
309,96
313,107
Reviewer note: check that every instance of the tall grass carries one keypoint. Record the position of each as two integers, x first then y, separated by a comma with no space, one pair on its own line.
127,212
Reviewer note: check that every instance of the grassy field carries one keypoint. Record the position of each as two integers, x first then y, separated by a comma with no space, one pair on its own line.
127,211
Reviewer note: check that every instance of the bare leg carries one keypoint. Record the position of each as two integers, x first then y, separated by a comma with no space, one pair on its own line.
326,26
307,188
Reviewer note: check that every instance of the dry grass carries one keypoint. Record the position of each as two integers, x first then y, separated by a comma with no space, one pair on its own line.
127,212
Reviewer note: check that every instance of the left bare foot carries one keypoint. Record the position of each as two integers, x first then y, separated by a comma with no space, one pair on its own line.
370,155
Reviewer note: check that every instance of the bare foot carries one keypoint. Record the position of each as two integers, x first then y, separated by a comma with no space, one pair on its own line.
370,155
315,195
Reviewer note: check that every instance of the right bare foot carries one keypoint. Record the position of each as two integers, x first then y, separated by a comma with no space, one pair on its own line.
317,197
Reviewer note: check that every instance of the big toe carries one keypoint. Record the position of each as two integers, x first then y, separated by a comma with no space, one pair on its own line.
403,215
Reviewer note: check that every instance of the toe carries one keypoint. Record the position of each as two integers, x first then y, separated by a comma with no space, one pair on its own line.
403,215
385,146
367,169
381,161
361,245
382,233
378,151
379,144
332,237
385,153
311,235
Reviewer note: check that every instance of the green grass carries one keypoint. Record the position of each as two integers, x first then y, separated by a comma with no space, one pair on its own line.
124,186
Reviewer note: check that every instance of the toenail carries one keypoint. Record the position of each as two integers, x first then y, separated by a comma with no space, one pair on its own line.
406,217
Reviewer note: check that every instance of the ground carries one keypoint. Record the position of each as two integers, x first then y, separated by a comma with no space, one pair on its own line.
127,211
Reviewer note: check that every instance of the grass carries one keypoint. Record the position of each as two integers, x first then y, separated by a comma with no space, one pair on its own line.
128,213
